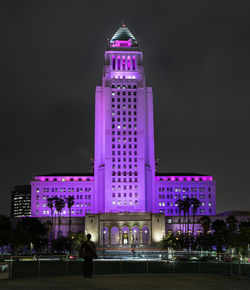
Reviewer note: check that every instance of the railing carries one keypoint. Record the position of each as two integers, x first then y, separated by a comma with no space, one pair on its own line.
24,267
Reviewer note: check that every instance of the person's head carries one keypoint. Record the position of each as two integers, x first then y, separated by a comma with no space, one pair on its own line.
88,237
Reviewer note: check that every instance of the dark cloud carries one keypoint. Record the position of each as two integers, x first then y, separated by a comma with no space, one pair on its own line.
196,59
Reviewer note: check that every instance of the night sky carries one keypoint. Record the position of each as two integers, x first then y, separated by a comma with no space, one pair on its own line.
196,57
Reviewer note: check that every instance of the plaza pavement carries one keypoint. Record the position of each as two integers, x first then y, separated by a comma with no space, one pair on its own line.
131,282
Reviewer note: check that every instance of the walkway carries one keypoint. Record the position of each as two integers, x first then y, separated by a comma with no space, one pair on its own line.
134,282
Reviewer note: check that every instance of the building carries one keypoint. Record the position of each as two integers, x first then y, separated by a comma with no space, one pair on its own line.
124,199
21,201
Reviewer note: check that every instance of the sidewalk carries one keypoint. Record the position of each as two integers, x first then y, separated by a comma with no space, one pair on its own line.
131,282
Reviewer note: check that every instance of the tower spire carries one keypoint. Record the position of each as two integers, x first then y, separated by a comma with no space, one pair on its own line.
123,37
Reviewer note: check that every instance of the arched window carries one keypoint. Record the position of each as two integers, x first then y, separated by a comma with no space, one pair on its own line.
133,63
113,62
128,63
118,63
123,63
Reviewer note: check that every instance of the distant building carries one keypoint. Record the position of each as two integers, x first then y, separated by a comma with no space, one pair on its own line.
126,182
21,201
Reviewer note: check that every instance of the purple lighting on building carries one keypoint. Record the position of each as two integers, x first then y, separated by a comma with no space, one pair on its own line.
124,177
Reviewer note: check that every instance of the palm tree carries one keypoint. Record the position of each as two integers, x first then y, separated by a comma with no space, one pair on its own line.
186,207
59,205
205,223
50,205
195,205
180,207
70,200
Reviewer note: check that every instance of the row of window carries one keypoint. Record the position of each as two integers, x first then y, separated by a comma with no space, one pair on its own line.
119,187
78,204
183,189
124,166
124,120
123,94
181,179
70,189
124,153
176,204
125,133
124,194
124,173
124,146
119,126
124,159
124,87
124,179
124,112
201,210
125,106
86,196
125,202
124,139
47,212
68,179
178,196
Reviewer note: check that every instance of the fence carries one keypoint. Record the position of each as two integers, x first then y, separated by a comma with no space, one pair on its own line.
41,267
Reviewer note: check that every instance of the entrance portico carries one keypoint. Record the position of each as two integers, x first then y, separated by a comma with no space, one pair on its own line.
121,229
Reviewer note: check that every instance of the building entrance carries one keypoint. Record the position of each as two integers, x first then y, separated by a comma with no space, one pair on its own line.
124,238
124,229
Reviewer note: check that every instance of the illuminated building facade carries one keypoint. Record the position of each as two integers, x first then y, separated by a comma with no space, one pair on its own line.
124,178
21,201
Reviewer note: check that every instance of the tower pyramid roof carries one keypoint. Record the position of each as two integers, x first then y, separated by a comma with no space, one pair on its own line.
123,34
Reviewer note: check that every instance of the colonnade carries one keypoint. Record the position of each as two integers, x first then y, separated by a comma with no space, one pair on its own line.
125,235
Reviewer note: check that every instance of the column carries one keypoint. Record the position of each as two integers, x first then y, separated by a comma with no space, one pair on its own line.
130,236
120,237
109,238
140,236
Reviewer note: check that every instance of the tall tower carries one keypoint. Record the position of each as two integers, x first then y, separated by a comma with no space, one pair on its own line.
124,132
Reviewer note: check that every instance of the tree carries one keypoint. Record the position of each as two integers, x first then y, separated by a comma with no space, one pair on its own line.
169,241
186,208
232,223
195,205
220,230
59,205
243,237
61,245
70,200
29,230
5,231
232,234
180,207
204,242
50,205
205,222
78,239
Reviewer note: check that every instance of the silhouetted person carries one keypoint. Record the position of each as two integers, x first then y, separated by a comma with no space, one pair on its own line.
88,252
